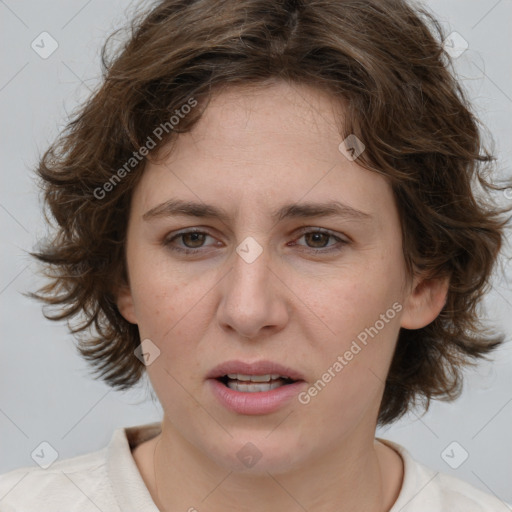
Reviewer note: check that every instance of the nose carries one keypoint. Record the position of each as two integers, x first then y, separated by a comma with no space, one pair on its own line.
254,301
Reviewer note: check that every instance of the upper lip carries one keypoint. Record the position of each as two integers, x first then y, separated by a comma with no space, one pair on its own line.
255,368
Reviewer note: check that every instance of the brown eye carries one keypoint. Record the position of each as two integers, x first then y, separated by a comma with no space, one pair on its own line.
317,241
316,238
193,240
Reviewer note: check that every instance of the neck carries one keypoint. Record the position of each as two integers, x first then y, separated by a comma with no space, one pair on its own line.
356,476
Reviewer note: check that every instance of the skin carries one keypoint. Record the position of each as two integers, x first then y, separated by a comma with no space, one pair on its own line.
253,151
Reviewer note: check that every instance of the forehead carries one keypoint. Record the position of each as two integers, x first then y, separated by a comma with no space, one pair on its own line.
294,117
261,149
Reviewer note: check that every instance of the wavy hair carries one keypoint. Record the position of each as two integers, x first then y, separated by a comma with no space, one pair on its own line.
384,59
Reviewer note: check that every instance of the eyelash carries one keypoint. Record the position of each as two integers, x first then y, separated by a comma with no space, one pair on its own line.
304,231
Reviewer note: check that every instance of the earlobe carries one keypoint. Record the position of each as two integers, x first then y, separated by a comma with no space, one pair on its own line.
425,302
125,305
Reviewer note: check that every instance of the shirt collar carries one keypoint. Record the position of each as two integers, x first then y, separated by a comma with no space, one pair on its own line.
128,486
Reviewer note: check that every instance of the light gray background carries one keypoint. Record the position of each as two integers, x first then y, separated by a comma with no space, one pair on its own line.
46,392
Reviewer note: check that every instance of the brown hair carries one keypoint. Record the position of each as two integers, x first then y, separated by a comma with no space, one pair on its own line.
384,59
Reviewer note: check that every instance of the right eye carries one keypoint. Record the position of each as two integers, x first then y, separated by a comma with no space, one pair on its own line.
194,237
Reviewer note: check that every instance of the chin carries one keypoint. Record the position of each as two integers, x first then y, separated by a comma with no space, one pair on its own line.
255,455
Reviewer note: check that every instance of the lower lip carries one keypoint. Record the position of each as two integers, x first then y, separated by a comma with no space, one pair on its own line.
263,402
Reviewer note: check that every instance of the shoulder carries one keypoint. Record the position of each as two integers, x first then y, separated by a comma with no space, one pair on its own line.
79,483
425,490
106,480
459,495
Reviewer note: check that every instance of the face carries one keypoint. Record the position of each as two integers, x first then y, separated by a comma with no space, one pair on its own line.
319,294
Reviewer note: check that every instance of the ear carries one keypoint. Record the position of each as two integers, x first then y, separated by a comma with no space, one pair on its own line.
425,302
125,304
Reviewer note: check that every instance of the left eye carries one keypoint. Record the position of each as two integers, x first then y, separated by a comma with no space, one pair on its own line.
194,240
321,236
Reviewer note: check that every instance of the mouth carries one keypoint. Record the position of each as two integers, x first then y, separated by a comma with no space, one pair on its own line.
256,388
254,383
256,377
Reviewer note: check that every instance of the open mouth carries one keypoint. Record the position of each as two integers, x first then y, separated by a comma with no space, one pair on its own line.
254,383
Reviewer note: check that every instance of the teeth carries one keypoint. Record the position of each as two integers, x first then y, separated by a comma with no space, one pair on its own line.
256,378
253,388
255,383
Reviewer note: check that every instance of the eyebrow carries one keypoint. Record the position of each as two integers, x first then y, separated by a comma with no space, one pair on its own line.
178,207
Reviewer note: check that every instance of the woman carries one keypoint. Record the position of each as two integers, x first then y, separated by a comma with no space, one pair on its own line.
267,206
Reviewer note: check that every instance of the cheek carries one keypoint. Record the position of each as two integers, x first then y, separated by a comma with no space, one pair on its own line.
170,315
350,376
362,313
162,295
164,313
355,299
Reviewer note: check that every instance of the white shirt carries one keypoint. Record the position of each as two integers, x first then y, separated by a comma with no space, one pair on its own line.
108,480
